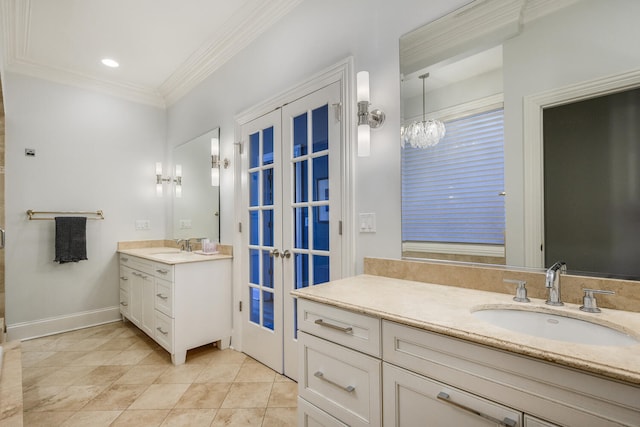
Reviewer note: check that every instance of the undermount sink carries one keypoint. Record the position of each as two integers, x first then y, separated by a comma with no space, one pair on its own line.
174,256
554,327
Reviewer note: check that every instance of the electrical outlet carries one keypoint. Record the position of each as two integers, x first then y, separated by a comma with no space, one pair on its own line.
143,224
185,224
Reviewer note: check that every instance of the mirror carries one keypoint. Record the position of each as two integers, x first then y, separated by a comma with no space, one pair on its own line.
527,56
196,205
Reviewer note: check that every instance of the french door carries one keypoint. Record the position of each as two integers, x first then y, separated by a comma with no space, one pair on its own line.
292,208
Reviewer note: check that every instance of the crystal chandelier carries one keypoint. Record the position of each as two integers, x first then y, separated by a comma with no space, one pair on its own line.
426,133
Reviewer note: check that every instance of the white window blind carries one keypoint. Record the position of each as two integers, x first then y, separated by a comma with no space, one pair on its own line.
451,192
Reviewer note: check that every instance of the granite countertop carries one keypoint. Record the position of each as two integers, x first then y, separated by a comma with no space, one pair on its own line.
172,255
447,310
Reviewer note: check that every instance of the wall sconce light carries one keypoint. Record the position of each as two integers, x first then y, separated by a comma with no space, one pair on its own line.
366,119
215,162
160,180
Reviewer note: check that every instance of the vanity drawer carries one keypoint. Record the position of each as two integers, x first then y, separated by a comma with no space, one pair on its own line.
163,271
124,302
340,381
125,278
354,330
140,264
310,416
163,333
164,297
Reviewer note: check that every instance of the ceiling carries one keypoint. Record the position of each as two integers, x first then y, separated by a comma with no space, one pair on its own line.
164,47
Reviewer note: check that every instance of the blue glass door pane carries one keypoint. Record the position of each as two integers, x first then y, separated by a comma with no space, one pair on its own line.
254,150
267,270
321,178
300,175
254,236
321,228
267,309
254,266
301,271
267,227
320,132
253,189
300,135
267,186
320,269
254,305
301,220
267,146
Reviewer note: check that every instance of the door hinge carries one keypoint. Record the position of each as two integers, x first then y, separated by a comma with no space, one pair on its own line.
239,227
240,306
338,109
339,228
240,145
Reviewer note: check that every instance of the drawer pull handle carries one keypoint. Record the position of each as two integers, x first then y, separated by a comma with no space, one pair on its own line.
346,330
162,271
507,422
161,331
124,304
162,296
349,388
125,278
123,259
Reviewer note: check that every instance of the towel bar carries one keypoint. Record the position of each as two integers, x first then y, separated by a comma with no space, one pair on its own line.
98,214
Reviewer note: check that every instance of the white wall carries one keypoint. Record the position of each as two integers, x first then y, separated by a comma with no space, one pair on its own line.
92,152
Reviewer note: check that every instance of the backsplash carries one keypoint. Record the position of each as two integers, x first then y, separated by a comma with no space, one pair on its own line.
138,244
490,278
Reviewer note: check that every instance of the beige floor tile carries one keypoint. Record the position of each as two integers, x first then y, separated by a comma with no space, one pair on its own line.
248,395
201,355
218,373
181,374
118,343
282,379
189,418
31,358
158,357
141,374
91,418
228,356
71,398
116,397
252,371
33,397
96,358
103,375
65,376
38,344
280,417
239,418
33,376
209,395
130,357
46,419
87,344
160,396
140,418
284,395
61,358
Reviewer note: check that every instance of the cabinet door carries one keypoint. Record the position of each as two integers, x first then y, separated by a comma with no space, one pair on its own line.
411,400
530,421
125,283
135,297
148,305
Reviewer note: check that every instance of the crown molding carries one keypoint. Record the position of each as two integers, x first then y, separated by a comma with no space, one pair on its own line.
247,25
251,23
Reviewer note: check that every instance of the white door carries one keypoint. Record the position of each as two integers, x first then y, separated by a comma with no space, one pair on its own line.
291,189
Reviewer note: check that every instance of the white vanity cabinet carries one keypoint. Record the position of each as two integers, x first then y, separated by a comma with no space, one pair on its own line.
181,306
436,380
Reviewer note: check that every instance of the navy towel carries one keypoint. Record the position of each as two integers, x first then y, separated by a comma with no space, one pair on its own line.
71,239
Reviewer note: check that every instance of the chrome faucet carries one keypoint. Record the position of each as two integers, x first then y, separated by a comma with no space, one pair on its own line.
553,282
185,244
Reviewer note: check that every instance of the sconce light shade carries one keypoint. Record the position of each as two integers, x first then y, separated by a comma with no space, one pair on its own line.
159,179
178,181
366,119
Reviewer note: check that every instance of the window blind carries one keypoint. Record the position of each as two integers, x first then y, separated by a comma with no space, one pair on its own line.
450,192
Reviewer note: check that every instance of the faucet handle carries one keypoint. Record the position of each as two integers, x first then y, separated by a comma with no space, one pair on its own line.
589,303
521,290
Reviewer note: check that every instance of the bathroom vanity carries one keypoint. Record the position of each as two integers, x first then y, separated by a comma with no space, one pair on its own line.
377,351
180,299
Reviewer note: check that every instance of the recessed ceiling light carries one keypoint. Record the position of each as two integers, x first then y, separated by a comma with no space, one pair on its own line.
110,63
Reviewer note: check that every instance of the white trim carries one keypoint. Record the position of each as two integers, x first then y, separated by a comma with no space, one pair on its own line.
533,156
470,108
68,322
454,249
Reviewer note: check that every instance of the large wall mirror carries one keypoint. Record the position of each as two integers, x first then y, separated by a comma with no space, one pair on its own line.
493,72
196,206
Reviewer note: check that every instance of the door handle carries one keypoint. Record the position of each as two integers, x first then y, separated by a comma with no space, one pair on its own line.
286,254
2,236
274,253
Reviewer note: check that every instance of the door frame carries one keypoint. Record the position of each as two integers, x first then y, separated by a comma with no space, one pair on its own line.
343,73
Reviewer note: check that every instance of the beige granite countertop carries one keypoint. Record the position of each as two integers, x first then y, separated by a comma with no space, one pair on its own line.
447,310
172,256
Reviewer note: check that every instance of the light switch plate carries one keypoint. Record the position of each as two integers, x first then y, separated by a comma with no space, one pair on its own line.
185,224
143,224
367,222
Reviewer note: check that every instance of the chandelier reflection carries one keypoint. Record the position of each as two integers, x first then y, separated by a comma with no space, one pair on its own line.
425,133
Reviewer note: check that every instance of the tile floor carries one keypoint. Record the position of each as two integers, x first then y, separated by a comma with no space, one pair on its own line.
114,375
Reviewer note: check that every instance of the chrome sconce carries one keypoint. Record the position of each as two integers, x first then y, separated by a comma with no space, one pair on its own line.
366,119
160,180
216,162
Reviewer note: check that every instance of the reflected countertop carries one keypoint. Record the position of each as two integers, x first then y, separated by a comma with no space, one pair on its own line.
172,256
448,310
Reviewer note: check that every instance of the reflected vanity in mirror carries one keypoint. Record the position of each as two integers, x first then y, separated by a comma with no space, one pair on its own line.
495,67
196,209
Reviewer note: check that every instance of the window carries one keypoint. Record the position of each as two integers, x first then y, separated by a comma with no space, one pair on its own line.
452,192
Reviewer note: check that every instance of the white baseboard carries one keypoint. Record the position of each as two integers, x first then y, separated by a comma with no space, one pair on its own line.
56,325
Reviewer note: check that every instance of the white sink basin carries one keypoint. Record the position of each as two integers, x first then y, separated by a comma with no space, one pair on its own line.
175,256
554,327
